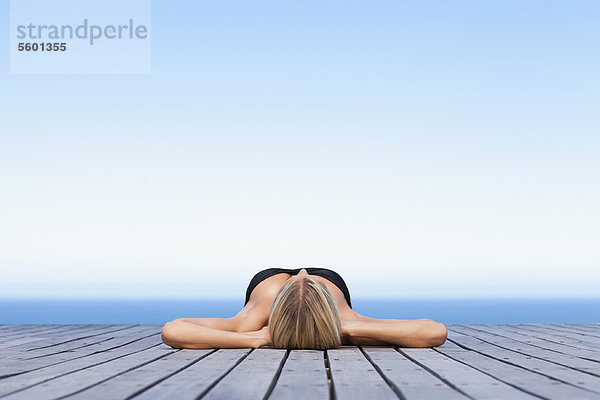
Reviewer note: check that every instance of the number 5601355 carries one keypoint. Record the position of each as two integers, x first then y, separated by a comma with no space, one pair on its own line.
42,47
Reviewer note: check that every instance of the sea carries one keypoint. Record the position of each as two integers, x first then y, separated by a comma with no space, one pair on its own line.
159,311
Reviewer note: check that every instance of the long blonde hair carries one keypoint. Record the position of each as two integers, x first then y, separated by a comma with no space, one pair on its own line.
304,315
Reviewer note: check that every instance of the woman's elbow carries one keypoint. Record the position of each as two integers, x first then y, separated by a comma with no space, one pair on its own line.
169,333
439,334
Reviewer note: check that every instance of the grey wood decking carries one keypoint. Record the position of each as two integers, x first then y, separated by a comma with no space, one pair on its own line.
106,362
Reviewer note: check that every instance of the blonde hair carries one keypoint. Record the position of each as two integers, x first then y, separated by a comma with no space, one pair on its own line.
304,315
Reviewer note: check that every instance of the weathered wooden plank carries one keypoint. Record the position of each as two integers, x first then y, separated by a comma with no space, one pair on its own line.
30,331
589,328
498,330
569,333
43,342
195,380
257,372
21,363
578,328
580,364
61,386
409,378
348,366
572,338
87,344
303,376
536,365
44,373
57,331
560,331
471,381
19,342
22,327
121,331
69,330
448,344
536,333
521,378
13,327
132,382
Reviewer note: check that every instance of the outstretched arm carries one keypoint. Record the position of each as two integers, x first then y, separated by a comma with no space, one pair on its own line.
405,333
182,334
246,329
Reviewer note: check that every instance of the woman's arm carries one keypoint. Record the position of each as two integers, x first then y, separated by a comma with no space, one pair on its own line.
225,324
244,330
181,334
405,333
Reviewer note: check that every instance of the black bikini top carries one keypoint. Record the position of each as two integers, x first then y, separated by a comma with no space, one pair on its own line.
328,274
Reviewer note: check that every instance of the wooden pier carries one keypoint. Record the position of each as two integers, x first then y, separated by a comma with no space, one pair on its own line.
130,362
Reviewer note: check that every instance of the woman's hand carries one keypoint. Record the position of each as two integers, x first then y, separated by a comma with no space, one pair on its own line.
266,335
261,337
181,334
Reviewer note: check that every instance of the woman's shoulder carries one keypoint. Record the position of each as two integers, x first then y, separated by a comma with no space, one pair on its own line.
255,313
253,316
268,288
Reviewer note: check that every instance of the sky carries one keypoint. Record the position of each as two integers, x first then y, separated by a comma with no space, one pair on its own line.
420,149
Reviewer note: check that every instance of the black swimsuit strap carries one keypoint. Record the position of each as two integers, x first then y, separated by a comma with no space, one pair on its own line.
328,274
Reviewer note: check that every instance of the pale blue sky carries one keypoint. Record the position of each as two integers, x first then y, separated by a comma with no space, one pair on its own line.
418,148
